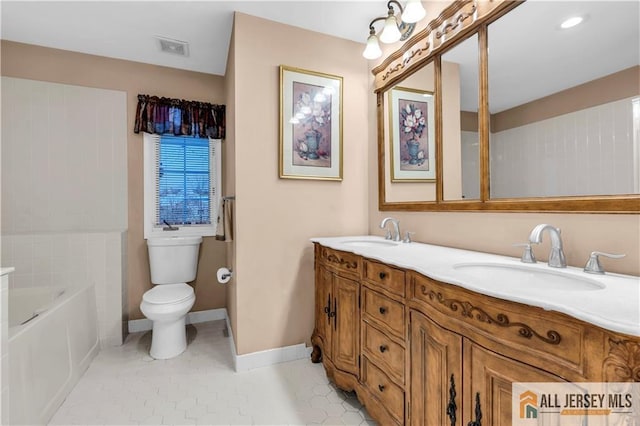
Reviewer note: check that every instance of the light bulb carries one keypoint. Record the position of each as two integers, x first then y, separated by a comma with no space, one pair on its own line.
372,51
413,12
390,32
571,22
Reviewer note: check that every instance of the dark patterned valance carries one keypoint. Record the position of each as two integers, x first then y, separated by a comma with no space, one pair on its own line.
179,117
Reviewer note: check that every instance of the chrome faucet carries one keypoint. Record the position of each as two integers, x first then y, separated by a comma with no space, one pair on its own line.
396,228
593,265
556,257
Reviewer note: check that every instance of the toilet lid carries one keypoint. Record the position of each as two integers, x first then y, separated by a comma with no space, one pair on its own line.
168,293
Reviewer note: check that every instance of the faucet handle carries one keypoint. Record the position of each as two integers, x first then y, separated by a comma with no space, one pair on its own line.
527,255
593,264
407,238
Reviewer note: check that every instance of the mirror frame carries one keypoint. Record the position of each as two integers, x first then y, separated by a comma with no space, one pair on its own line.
458,21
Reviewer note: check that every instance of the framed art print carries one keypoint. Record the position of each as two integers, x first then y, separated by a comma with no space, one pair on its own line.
310,125
412,126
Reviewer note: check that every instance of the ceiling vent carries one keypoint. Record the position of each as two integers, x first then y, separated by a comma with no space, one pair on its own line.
176,47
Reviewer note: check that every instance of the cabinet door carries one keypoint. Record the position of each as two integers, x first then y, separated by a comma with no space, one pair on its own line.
435,357
324,307
346,321
490,376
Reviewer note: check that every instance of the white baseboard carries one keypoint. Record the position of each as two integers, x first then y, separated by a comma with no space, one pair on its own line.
205,316
271,356
192,318
243,362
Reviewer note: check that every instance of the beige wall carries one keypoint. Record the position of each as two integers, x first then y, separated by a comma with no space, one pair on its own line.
39,63
274,287
229,178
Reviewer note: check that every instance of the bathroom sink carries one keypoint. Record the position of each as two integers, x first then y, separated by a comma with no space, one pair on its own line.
370,243
522,276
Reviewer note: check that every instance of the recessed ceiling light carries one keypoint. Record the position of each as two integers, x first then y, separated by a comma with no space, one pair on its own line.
571,22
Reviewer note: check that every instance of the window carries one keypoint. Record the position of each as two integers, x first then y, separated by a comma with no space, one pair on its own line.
181,178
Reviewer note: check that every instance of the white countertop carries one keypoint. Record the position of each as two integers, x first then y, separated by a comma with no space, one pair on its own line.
614,307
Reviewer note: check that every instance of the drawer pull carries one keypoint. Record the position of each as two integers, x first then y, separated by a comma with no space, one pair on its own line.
381,387
382,275
383,348
383,310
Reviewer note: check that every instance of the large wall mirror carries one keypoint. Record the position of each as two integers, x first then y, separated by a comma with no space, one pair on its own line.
529,116
409,139
460,132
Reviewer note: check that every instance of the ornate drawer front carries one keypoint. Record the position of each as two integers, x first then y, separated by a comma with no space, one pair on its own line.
382,387
340,260
554,337
384,351
386,277
383,311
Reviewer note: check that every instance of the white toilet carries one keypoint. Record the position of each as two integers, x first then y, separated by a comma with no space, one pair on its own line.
173,262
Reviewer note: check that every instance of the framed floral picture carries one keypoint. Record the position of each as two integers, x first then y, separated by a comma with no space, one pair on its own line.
310,125
412,124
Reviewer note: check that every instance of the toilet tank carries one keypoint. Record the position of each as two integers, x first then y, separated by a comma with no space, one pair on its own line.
173,260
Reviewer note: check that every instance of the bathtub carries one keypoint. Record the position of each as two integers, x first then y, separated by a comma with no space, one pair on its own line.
53,337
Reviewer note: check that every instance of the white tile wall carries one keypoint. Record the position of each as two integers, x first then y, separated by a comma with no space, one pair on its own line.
588,152
75,259
4,352
64,159
470,165
64,191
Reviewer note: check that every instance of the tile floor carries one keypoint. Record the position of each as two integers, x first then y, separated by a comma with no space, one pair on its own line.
124,386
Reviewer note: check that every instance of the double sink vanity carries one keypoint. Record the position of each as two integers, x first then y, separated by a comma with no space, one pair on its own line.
430,335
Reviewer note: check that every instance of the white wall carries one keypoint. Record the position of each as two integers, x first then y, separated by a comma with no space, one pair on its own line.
64,191
4,348
64,159
470,147
587,152
75,259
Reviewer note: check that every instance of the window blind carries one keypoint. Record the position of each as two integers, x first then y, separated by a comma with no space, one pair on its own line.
185,181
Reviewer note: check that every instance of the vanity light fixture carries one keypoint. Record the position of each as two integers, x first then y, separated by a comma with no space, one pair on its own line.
395,28
571,22
413,11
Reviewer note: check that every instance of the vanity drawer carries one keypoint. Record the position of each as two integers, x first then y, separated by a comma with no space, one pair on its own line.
383,310
547,340
341,260
384,351
384,276
382,387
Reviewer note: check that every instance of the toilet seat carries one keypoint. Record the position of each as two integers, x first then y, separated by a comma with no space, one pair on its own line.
168,294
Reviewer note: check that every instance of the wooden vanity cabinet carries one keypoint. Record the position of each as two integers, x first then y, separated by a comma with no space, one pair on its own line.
436,373
336,337
433,353
451,376
384,340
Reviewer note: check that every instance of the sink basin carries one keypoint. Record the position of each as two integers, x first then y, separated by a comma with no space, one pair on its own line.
526,277
370,243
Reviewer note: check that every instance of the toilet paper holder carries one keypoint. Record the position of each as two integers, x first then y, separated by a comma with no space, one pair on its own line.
224,275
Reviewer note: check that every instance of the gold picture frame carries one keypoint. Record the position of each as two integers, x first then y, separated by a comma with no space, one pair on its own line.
412,137
310,125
